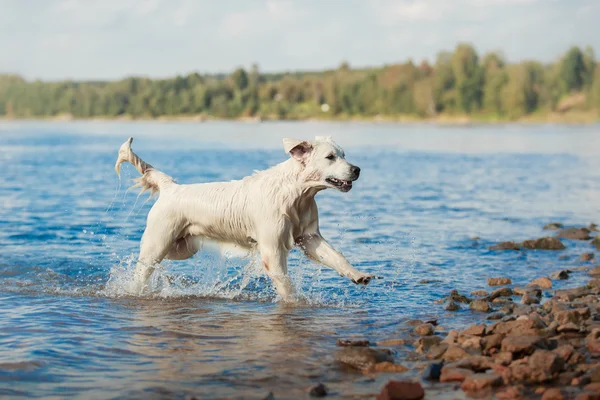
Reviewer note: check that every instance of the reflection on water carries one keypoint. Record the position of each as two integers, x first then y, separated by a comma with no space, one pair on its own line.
69,232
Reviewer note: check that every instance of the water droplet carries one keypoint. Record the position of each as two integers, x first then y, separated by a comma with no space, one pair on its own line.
84,231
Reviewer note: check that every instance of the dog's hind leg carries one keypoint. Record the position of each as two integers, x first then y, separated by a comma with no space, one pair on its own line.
158,238
274,260
184,248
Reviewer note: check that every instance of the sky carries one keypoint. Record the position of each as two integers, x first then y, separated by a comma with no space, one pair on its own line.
111,39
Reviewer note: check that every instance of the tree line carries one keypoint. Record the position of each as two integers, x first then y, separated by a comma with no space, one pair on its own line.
459,83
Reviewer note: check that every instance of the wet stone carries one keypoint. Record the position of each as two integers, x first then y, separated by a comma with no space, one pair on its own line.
521,345
553,394
452,306
596,242
450,374
574,234
553,226
432,372
529,299
424,330
545,243
361,358
437,351
401,390
352,343
506,246
495,316
499,281
459,298
479,293
560,275
585,257
594,271
543,283
319,390
424,343
502,292
480,305
454,353
387,366
478,382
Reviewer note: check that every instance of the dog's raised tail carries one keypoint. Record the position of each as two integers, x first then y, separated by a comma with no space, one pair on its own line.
151,178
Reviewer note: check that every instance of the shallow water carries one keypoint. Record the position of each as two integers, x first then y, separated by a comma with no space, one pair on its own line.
212,327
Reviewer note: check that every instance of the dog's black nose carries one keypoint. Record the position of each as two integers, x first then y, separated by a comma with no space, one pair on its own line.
355,171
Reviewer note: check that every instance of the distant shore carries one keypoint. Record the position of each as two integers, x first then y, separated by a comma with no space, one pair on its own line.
567,118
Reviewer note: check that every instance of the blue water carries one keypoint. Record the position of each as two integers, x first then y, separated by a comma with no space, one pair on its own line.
212,326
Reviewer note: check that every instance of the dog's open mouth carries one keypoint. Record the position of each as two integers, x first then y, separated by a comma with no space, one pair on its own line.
340,184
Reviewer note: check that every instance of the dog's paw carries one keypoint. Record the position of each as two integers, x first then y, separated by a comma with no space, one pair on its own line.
363,280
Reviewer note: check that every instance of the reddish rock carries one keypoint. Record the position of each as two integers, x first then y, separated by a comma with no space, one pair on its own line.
587,396
503,358
499,281
543,283
423,344
478,382
480,293
522,345
475,330
553,394
424,330
492,342
502,292
593,387
401,390
585,257
567,328
454,353
387,366
480,305
474,363
450,374
437,351
594,271
509,393
361,358
529,299
545,365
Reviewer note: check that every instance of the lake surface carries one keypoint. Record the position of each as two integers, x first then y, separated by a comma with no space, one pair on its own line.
212,326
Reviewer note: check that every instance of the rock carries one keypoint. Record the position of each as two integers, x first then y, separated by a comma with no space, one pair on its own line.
562,274
424,343
506,246
452,306
564,351
575,316
392,342
503,358
450,374
495,316
596,242
592,387
270,396
529,299
553,394
567,328
474,363
437,351
587,396
352,343
553,226
594,271
401,390
545,243
454,353
387,366
502,292
480,305
509,393
424,330
516,328
319,390
543,283
499,281
593,227
585,257
572,294
361,358
521,346
574,234
475,330
428,281
432,372
492,341
478,382
544,365
480,293
528,290
459,298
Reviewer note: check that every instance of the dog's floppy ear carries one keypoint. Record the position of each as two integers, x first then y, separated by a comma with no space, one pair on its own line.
298,149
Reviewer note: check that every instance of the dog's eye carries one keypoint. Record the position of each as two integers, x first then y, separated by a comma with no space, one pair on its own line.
331,157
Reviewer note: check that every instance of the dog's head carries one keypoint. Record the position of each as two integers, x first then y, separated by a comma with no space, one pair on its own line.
324,163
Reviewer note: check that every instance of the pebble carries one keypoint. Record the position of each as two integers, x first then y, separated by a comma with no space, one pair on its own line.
543,283
499,281
401,390
319,390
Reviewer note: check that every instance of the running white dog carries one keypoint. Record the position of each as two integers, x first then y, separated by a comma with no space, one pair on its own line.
271,211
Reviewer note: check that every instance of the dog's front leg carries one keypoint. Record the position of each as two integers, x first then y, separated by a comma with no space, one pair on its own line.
274,259
317,249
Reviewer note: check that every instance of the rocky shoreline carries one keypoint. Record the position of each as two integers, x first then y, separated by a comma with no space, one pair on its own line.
536,343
